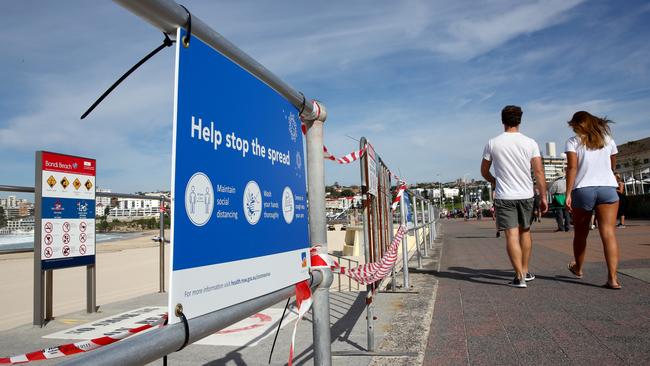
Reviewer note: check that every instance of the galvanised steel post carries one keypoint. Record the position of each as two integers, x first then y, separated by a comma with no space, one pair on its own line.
405,249
391,223
431,224
417,231
424,227
161,242
318,231
363,163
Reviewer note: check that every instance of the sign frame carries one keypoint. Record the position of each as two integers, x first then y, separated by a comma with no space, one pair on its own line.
44,267
252,253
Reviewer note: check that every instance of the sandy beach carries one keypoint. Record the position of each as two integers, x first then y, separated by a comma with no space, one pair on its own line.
125,269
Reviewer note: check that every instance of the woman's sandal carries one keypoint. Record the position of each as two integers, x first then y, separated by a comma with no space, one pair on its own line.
571,268
612,287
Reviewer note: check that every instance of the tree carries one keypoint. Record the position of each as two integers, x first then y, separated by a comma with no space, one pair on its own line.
3,219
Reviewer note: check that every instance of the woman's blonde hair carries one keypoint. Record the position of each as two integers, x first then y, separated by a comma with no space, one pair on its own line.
591,130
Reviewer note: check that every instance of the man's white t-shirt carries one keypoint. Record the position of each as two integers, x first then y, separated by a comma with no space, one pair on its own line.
594,166
510,154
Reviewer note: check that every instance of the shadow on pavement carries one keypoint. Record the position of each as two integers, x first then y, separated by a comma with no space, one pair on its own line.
495,277
353,305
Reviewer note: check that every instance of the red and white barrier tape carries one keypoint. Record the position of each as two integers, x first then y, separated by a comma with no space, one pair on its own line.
364,274
79,347
347,159
303,302
398,197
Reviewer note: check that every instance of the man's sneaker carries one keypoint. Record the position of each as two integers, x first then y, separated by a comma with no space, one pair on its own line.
518,282
529,277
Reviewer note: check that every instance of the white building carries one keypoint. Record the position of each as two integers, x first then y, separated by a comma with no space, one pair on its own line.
342,203
26,225
136,207
451,192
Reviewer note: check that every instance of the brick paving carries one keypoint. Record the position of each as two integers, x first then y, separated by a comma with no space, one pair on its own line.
557,320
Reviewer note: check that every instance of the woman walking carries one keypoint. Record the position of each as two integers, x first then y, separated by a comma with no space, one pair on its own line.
591,185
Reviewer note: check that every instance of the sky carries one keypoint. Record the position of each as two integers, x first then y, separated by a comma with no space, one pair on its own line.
423,81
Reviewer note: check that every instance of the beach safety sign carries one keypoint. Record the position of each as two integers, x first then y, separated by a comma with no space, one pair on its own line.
239,200
67,210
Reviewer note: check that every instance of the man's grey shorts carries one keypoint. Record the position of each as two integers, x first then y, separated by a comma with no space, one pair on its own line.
513,213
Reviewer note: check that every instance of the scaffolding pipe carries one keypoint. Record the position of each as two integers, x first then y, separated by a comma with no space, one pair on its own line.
167,16
318,233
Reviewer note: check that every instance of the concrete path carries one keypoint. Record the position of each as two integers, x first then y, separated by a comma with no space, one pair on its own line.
557,320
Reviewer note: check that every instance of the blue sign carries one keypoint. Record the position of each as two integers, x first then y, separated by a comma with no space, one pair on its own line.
239,213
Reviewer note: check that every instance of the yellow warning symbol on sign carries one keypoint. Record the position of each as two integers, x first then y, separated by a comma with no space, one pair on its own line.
65,183
88,184
51,181
76,183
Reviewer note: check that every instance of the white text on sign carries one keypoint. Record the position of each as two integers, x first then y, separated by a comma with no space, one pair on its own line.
215,137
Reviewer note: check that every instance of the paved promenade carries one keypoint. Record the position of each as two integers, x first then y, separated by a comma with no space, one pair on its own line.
557,320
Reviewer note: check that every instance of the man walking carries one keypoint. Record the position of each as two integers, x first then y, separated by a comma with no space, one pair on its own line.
513,154
558,200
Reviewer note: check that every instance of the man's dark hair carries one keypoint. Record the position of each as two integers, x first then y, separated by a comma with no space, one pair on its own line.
511,115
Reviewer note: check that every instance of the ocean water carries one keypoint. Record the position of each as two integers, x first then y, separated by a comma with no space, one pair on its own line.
26,241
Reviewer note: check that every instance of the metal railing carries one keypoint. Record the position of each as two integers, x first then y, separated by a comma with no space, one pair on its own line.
349,262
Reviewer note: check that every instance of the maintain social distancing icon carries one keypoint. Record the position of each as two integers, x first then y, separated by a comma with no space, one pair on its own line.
199,199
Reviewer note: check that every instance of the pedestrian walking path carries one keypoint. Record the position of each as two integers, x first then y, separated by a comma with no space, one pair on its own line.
557,319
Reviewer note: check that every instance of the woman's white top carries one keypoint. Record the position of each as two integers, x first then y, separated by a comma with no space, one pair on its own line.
594,166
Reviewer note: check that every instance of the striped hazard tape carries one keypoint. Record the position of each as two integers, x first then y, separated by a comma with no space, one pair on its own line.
364,274
79,347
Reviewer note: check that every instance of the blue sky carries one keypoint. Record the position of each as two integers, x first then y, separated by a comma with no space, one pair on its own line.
424,81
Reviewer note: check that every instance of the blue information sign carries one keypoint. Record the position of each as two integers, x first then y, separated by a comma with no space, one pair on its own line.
239,212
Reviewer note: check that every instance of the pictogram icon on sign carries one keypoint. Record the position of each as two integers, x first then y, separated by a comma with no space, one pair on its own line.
51,181
48,239
76,183
82,249
48,252
88,184
82,226
65,182
48,227
66,226
66,250
66,238
82,237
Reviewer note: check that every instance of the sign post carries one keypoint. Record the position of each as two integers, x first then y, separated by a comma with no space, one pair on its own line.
239,201
64,227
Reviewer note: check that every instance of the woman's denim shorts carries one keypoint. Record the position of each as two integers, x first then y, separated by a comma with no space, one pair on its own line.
587,198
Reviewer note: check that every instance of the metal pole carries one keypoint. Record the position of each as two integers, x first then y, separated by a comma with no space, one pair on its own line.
417,231
405,249
161,245
163,341
432,224
318,233
49,294
391,224
167,16
424,233
91,289
363,164
39,276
